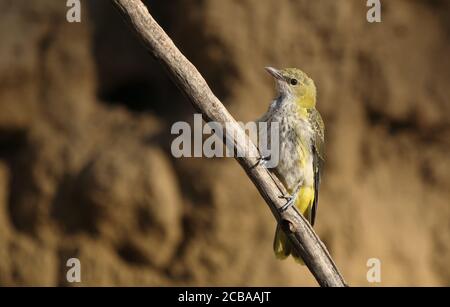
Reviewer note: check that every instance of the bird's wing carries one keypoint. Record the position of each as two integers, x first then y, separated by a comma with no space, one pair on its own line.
317,168
318,155
318,127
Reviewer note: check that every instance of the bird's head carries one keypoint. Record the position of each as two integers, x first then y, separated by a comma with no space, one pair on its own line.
295,85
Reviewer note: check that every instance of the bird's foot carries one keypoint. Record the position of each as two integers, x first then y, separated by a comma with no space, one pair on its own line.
291,198
262,161
288,204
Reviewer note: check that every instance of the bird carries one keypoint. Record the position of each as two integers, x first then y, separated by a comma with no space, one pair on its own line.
301,147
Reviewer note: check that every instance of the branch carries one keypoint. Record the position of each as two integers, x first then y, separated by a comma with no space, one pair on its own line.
195,88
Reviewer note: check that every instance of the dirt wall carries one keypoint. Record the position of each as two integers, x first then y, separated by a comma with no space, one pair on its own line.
85,163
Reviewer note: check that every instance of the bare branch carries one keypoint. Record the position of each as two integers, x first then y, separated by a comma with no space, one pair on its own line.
195,88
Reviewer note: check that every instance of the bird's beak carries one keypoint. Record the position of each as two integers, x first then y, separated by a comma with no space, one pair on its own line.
274,73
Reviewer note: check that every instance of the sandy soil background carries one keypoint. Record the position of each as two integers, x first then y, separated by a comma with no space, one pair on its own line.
85,163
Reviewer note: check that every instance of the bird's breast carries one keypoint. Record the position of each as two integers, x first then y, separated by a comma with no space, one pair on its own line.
295,155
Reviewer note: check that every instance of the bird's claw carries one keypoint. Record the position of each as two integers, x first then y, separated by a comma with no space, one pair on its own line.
262,161
288,204
291,198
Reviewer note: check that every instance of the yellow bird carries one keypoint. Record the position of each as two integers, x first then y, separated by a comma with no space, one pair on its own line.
301,141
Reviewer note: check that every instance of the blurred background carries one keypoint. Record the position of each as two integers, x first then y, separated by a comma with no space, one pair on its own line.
85,163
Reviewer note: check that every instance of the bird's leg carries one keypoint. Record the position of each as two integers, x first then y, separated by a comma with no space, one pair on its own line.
291,198
262,160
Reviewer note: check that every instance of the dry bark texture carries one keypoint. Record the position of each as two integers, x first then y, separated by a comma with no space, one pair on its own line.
85,160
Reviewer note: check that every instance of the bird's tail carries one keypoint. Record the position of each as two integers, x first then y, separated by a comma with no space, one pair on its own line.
283,247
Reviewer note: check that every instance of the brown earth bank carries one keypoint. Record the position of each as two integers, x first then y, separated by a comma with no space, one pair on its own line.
85,163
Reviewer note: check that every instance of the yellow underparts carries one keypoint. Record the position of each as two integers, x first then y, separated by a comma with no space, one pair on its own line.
304,202
305,196
281,244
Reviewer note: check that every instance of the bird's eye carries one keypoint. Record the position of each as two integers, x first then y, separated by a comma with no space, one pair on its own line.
294,81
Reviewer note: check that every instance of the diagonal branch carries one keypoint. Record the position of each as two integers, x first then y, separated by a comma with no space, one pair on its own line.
195,88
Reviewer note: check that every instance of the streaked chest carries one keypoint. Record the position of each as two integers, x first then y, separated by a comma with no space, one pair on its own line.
295,155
